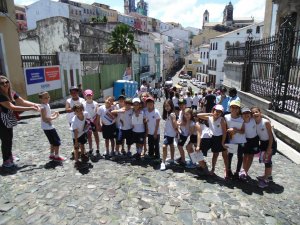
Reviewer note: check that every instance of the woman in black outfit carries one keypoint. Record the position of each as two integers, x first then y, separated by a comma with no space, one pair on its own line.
8,101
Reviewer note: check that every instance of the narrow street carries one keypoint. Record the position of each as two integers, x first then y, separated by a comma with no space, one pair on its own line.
126,191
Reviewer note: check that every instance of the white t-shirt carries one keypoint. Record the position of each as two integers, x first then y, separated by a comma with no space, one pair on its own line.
205,131
196,100
143,88
169,130
215,126
138,122
175,101
151,120
185,130
81,125
250,129
262,131
236,123
189,102
106,116
126,119
91,109
44,125
72,103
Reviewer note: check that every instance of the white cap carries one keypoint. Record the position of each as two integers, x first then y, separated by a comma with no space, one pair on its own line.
136,100
219,107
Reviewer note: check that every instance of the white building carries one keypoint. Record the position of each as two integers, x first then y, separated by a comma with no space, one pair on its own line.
218,52
202,74
178,33
45,9
165,26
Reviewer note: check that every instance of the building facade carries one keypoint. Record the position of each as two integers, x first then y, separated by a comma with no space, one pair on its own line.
218,52
10,58
202,74
21,18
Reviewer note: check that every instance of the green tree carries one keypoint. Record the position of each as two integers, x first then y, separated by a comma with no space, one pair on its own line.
122,41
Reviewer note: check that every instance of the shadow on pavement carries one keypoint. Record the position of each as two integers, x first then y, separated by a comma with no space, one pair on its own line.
52,164
13,170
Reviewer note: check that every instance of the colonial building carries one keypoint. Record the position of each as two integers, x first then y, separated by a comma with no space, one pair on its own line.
219,44
21,18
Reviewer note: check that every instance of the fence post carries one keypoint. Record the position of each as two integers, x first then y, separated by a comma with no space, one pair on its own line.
285,43
247,71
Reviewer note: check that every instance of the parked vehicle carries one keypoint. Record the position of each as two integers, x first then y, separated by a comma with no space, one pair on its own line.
184,83
202,85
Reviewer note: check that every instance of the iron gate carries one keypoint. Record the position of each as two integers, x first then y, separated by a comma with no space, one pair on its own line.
272,67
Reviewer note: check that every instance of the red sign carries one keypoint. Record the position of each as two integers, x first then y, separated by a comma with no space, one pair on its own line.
52,73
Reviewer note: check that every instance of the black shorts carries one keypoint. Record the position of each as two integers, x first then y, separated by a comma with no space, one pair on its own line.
216,144
252,146
264,146
194,107
182,139
124,134
138,137
205,145
168,140
109,131
193,139
53,137
82,139
177,108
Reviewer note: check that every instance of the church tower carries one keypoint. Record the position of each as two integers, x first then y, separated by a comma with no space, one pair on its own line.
228,15
129,6
205,18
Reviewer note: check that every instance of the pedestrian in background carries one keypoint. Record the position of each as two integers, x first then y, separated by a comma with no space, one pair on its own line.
10,102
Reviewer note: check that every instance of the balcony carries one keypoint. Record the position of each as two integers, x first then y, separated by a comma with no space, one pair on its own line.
3,6
212,68
145,69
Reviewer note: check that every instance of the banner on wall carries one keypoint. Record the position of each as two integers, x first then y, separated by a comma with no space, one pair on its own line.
44,78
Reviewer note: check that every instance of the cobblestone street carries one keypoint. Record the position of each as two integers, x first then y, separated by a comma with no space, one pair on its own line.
136,192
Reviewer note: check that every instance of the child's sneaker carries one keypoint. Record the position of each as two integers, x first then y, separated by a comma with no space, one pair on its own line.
90,152
84,158
269,178
8,164
263,183
51,157
59,158
137,156
242,175
77,165
162,166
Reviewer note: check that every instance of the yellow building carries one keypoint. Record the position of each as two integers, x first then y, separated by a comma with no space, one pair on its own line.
192,62
10,58
204,37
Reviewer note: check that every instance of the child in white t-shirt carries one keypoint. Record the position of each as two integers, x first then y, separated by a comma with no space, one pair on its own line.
153,119
106,122
91,107
47,126
138,124
170,131
80,128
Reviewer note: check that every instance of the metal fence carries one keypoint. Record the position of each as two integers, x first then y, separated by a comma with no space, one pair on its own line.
106,59
272,67
39,60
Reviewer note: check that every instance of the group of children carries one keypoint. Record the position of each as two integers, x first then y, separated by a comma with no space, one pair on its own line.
137,121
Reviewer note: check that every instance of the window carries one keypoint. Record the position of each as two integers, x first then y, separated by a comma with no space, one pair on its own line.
227,44
213,46
258,29
237,44
216,45
207,55
190,61
204,55
84,11
238,33
210,46
201,55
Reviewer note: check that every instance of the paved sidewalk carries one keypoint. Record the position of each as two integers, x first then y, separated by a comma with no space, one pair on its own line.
135,192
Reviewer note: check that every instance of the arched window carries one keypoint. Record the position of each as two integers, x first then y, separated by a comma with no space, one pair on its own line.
204,55
237,44
201,55
215,64
216,45
258,29
210,46
213,46
207,55
227,44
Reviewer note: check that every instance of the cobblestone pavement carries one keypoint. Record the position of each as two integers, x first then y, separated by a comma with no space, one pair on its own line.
136,192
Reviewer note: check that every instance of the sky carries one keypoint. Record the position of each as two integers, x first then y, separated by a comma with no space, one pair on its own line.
188,13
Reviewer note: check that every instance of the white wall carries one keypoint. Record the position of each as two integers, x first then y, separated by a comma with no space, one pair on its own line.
220,53
45,9
178,33
29,47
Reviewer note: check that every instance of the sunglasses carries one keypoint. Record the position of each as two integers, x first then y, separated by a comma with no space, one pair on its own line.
3,83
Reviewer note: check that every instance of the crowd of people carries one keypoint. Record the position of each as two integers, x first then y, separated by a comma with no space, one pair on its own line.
208,120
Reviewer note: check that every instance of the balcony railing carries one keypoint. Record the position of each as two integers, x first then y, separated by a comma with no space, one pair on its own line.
212,68
3,6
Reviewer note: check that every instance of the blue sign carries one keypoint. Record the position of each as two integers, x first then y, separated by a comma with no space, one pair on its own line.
35,76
